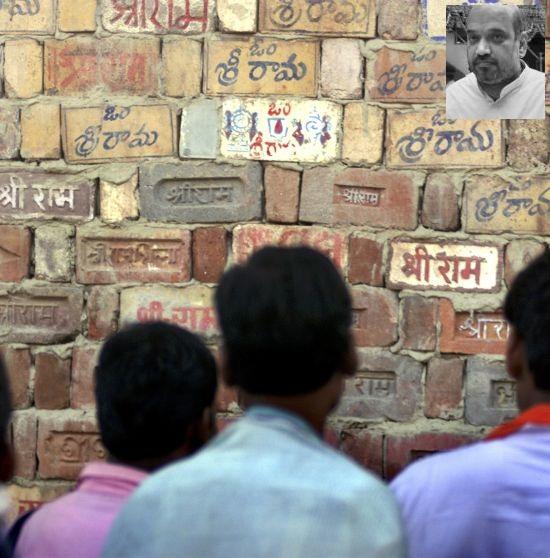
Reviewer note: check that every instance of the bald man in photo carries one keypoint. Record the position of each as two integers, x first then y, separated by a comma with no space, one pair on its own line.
500,84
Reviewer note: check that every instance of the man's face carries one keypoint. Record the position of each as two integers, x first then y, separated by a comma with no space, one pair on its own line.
493,50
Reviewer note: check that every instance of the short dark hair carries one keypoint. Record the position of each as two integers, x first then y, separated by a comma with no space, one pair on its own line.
5,404
527,309
152,381
285,316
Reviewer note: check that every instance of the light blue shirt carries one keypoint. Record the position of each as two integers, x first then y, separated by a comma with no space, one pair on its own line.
488,500
266,487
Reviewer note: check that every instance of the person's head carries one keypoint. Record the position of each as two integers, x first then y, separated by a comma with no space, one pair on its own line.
154,385
6,454
285,317
496,43
527,309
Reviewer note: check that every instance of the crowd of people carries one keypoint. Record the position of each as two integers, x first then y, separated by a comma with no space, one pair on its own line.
268,486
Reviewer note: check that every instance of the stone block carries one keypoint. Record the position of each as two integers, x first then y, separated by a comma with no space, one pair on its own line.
41,131
342,69
10,132
444,388
182,67
398,19
82,376
375,315
52,381
54,252
363,134
118,202
519,254
419,323
23,63
15,253
200,130
366,261
237,16
528,143
282,194
103,309
440,203
70,20
209,253
37,18
23,440
18,367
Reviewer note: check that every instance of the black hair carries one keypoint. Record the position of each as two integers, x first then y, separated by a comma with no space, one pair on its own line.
153,380
5,405
527,308
285,316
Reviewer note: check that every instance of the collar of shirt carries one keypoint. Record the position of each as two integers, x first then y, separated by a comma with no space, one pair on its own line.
507,89
109,478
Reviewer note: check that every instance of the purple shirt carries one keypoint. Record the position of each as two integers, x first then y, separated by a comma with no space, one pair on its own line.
77,523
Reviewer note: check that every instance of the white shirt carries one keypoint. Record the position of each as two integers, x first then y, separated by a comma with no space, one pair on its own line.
523,98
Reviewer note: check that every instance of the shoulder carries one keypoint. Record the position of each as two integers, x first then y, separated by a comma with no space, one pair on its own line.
463,84
535,76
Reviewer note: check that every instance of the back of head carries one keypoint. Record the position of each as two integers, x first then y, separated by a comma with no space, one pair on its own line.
153,381
285,316
527,308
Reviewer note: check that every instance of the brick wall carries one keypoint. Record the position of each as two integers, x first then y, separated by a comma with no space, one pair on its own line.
144,148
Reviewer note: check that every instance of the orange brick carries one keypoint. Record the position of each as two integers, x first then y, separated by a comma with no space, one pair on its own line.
41,132
70,19
23,68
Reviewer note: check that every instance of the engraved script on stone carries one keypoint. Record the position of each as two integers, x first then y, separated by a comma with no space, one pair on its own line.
263,66
22,16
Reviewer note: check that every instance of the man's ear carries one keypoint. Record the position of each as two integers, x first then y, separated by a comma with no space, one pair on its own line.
515,355
522,45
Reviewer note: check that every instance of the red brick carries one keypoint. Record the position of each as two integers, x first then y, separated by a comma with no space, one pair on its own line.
398,19
24,444
52,381
209,253
444,388
528,143
65,444
366,261
15,248
365,447
82,382
282,194
403,449
30,497
18,365
375,314
471,332
103,309
419,323
518,254
440,206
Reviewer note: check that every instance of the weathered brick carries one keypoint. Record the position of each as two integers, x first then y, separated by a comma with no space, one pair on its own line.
471,332
418,264
342,69
30,497
387,386
191,307
10,132
282,194
209,253
419,323
440,204
375,314
41,195
83,64
528,143
365,447
65,444
201,192
103,308
182,67
363,133
237,16
398,19
52,381
249,238
358,196
125,132
298,130
444,388
403,449
1,70
366,261
54,252
23,68
200,114
41,131
18,366
480,145
518,254
39,314
70,19
118,202
491,396
135,253
82,376
258,66
35,17
23,432
15,249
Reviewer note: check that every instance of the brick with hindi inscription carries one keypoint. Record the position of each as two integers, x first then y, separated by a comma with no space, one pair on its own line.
386,386
281,130
191,307
193,192
27,16
10,132
42,195
262,66
418,264
158,16
138,253
356,196
338,17
405,76
471,332
27,498
96,134
85,64
515,203
427,139
37,314
247,239
15,252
